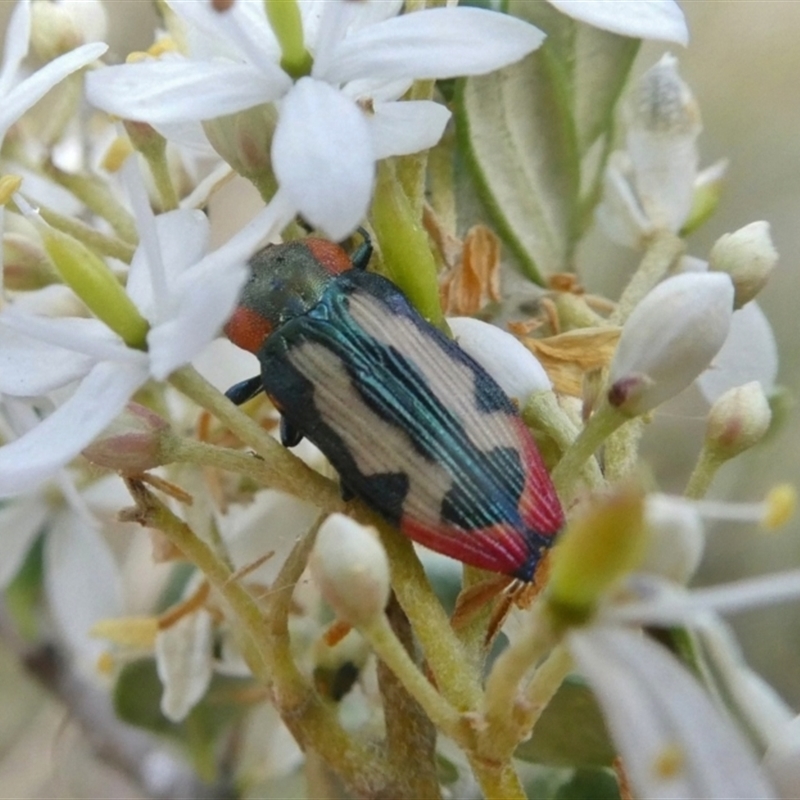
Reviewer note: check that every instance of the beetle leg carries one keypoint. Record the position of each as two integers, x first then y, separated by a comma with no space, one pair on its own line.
245,390
362,254
290,436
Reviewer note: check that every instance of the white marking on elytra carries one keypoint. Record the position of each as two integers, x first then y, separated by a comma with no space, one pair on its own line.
452,382
376,446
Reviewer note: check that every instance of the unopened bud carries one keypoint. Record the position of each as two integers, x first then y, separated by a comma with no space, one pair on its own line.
738,420
748,256
502,355
91,279
58,27
669,339
244,139
132,443
351,569
600,545
25,264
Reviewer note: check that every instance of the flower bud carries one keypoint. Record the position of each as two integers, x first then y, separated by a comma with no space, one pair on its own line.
669,339
58,27
663,126
600,544
91,279
351,568
748,256
25,264
738,420
132,443
502,355
244,139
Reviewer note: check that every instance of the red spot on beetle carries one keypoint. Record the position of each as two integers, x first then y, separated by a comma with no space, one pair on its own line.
247,329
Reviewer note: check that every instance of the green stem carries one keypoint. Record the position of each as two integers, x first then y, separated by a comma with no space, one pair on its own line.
459,684
279,470
506,715
410,733
98,242
388,647
708,463
622,451
599,427
542,412
664,250
96,196
497,783
287,25
546,682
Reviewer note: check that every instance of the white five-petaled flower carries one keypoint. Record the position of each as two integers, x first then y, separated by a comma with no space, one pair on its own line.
651,185
185,296
338,120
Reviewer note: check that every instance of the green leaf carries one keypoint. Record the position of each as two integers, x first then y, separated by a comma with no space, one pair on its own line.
570,732
589,784
537,135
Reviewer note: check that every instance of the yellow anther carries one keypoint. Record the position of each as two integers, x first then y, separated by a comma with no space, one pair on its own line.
779,506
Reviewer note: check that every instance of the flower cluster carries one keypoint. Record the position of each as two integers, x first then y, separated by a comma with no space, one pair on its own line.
268,623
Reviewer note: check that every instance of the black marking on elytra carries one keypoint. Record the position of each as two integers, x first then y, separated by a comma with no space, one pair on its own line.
469,485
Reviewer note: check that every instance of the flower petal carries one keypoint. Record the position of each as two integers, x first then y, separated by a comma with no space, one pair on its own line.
18,36
209,291
644,19
88,336
28,461
30,368
73,551
178,90
401,128
183,659
434,43
674,743
323,157
749,354
33,88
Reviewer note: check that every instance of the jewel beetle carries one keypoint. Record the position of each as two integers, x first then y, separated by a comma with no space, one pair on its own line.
412,424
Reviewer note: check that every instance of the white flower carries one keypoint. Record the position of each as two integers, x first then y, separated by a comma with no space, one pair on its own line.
669,339
672,740
643,19
651,185
73,540
185,296
340,117
15,100
750,353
